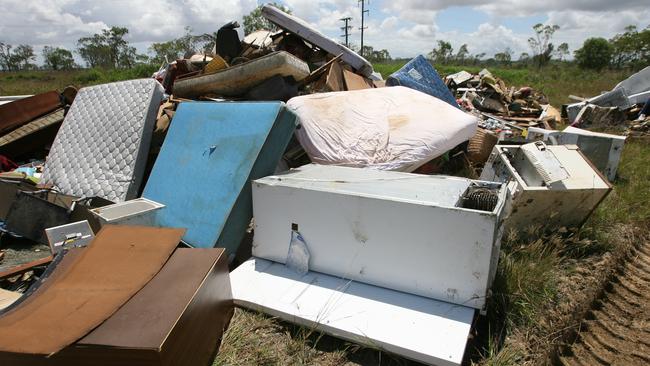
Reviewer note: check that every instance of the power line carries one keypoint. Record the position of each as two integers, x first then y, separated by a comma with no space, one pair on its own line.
364,11
346,28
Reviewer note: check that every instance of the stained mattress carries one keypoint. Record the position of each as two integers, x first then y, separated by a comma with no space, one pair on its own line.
101,149
393,128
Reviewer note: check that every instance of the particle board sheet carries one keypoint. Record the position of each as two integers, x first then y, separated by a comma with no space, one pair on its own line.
116,265
101,149
411,326
211,153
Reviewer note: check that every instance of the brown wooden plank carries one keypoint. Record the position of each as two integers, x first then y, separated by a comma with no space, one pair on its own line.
356,82
25,267
19,112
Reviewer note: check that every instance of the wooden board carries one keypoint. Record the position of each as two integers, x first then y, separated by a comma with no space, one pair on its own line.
356,82
8,297
117,264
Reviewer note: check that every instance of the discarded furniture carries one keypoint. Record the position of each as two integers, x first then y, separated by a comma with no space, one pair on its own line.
551,186
9,189
177,318
393,128
300,28
602,149
139,211
77,299
4,99
417,253
211,153
76,234
29,212
102,146
420,75
238,79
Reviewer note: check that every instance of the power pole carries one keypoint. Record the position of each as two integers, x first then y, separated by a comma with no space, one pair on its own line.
346,28
363,18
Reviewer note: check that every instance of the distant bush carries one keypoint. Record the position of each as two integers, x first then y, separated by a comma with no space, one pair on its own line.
91,76
100,76
594,54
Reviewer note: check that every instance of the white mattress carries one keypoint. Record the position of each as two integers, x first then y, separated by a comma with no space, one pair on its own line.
393,128
102,147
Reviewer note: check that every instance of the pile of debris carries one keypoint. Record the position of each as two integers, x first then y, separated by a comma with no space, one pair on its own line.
93,182
507,111
625,108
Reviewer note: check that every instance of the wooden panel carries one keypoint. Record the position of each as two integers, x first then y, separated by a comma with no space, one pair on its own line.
356,82
19,112
118,263
177,319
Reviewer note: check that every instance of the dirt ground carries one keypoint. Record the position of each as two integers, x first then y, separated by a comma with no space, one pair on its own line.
599,295
616,331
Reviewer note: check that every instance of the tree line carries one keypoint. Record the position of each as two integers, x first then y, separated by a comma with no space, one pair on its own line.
627,50
110,49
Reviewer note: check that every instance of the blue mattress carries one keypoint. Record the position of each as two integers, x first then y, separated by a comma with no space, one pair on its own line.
210,155
418,74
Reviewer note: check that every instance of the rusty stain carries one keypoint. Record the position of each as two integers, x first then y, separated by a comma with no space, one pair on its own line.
397,121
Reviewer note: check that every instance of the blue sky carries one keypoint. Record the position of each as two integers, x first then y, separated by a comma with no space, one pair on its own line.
404,27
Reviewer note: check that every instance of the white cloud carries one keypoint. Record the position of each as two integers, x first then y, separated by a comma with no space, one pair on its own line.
405,27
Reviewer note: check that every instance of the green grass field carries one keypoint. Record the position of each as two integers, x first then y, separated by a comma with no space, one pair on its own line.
531,265
39,81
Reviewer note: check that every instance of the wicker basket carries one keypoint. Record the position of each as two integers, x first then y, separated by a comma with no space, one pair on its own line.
480,146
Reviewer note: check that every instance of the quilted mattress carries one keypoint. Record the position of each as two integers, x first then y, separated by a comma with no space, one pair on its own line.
101,149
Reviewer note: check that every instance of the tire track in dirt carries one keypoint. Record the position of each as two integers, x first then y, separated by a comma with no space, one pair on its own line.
617,329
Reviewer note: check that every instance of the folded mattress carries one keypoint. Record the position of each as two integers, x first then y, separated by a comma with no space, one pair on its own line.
384,128
238,79
102,147
418,74
302,29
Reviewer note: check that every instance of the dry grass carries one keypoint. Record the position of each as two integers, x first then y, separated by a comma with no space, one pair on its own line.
257,339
